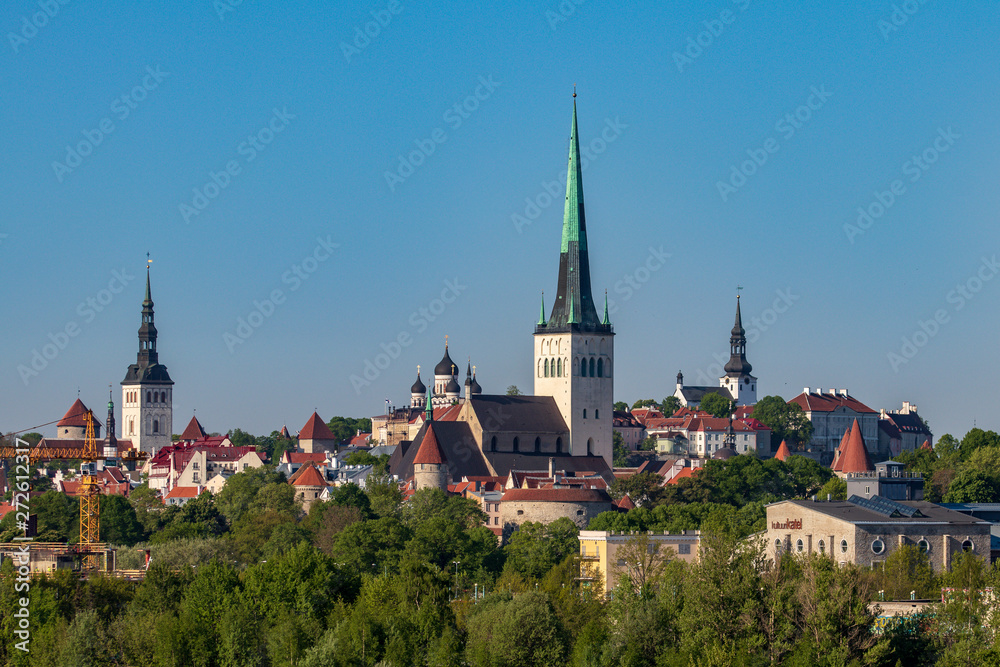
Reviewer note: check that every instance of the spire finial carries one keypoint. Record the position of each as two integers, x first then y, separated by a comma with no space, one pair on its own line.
418,370
446,341
574,90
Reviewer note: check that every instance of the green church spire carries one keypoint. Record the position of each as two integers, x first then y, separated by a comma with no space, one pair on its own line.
429,410
607,320
572,311
541,314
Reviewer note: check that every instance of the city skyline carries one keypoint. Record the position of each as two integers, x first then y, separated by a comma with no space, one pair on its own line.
398,191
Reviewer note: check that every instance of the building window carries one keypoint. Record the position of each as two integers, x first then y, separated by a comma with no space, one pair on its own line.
517,444
868,490
777,547
149,397
924,546
559,368
520,512
583,368
194,465
843,546
600,368
585,413
597,413
493,444
799,546
967,545
822,547
590,446
156,426
546,368
579,512
558,445
496,521
684,549
591,367
538,445
878,546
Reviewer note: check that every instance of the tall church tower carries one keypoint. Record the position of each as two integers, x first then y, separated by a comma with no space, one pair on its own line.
147,390
737,379
574,349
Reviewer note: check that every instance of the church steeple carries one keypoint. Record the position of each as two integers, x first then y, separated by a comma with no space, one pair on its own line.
147,330
738,364
574,261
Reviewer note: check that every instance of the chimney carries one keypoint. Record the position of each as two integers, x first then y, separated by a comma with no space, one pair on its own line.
552,467
805,390
833,392
843,392
819,390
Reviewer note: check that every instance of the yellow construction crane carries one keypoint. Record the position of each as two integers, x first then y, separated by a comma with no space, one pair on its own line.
90,491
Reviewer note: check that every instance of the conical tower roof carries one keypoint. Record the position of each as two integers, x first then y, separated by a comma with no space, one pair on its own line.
855,456
430,451
838,456
782,452
316,429
194,430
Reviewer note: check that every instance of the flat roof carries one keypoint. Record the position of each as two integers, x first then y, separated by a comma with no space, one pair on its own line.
853,513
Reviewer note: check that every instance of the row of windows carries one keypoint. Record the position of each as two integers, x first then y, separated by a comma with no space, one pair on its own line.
155,397
597,414
877,546
587,367
538,445
554,346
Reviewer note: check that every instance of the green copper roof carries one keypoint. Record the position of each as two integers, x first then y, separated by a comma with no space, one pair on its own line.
572,310
572,230
607,320
429,409
541,314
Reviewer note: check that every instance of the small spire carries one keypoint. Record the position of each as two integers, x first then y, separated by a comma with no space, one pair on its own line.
607,320
446,342
574,90
541,314
429,410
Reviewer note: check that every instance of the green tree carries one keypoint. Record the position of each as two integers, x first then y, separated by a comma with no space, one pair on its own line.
620,406
119,524
908,569
643,488
717,405
536,548
645,403
786,421
620,451
836,489
345,428
512,390
384,494
58,517
973,486
976,439
670,405
240,490
524,630
148,507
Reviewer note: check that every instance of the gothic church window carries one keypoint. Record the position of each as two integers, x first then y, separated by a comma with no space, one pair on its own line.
600,368
591,367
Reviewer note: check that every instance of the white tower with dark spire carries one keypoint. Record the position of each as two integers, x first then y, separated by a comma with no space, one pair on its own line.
147,390
737,379
574,349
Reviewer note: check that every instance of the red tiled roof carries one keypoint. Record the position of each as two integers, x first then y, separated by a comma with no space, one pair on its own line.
304,457
76,415
284,433
782,452
194,431
315,429
359,439
430,451
686,472
183,492
5,509
838,455
927,445
813,402
855,457
562,495
307,475
625,503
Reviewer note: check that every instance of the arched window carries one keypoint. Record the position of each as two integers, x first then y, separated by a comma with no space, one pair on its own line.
559,368
156,426
967,545
843,546
559,446
600,368
546,368
590,446
517,444
149,397
924,546
493,444
597,413
538,445
591,367
539,368
822,547
777,547
799,546
585,413
583,368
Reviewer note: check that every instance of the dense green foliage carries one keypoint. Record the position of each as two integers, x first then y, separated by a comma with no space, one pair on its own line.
966,471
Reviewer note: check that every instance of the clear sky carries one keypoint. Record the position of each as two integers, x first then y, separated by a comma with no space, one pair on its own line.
247,147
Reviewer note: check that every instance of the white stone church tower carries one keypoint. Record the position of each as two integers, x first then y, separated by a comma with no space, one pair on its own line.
147,390
574,349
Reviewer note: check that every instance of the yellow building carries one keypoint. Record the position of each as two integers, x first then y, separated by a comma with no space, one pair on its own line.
604,560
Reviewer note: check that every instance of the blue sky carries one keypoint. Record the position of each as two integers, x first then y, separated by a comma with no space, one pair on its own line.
165,100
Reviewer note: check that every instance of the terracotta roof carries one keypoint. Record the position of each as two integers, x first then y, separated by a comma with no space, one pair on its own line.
307,475
622,419
5,509
927,445
194,431
813,402
782,452
430,451
359,439
625,503
557,495
686,472
77,416
838,455
284,433
315,429
855,457
303,457
183,492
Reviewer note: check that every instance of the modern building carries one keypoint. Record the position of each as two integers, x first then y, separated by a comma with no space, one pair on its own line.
865,531
602,557
147,390
889,480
